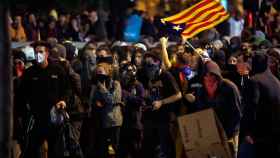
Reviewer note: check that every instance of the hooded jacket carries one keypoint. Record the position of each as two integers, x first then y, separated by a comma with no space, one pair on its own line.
226,102
262,116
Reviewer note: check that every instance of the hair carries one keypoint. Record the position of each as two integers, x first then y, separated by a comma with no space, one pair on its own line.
41,44
134,56
259,62
81,54
107,67
155,53
105,48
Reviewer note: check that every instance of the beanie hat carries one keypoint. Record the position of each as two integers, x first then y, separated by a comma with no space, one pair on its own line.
19,55
155,54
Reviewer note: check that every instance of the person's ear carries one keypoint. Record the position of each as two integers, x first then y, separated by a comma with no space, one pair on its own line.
47,53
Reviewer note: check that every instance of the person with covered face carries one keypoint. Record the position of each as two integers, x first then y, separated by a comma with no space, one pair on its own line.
223,96
19,60
106,101
43,88
85,65
105,55
133,96
162,91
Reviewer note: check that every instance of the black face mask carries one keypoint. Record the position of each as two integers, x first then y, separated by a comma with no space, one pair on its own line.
102,78
130,77
234,47
108,60
151,71
231,68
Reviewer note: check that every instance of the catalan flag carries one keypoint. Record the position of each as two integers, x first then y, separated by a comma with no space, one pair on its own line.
201,16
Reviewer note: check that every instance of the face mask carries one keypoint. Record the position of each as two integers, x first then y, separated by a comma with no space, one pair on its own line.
129,76
108,60
91,58
231,68
40,58
102,78
234,46
152,71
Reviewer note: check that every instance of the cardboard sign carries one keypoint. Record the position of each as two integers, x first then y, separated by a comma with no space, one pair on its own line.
203,136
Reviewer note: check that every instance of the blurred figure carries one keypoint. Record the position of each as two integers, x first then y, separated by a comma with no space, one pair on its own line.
85,65
105,55
96,26
62,27
51,29
17,30
236,23
244,62
106,104
32,29
44,87
137,56
133,95
223,96
274,61
161,96
262,115
71,51
74,30
182,72
19,59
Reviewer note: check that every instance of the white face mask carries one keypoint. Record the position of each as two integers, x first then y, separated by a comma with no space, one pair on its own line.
40,58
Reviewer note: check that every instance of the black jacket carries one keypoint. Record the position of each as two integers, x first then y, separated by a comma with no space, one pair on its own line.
43,88
262,114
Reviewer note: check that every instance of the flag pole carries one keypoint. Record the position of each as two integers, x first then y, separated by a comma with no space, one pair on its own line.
189,44
193,48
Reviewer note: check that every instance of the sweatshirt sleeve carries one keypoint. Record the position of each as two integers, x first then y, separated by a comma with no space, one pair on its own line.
233,112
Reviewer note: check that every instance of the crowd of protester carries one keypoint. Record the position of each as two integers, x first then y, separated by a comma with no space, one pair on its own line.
122,99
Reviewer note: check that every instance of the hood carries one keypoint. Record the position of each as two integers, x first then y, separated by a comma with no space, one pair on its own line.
213,68
259,62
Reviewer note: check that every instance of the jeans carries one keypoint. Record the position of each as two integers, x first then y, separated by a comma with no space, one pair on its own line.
41,143
158,141
131,143
109,136
246,150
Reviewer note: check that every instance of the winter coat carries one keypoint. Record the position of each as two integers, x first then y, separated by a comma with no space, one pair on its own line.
110,112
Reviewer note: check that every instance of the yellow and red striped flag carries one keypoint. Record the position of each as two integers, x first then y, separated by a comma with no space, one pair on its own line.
201,16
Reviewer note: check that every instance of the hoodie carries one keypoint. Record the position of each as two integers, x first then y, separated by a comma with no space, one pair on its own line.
226,102
262,116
